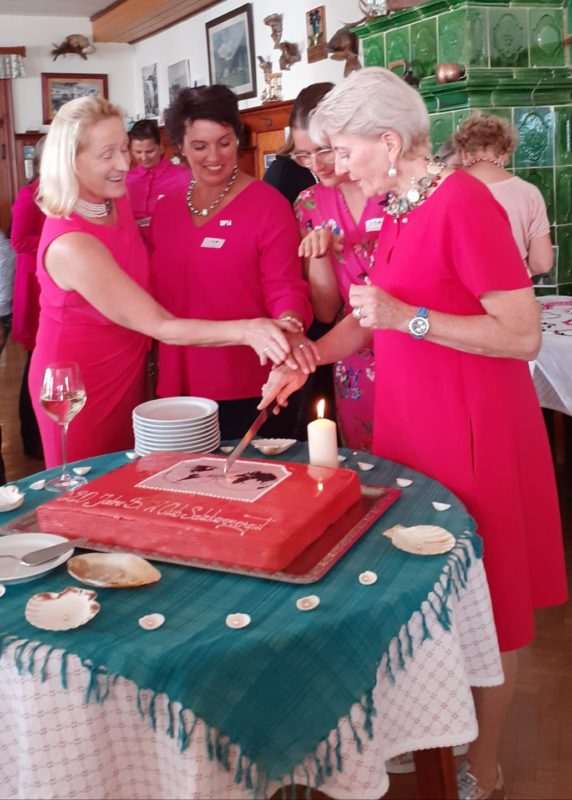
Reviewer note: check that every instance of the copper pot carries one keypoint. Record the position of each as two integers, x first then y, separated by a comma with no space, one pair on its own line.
448,73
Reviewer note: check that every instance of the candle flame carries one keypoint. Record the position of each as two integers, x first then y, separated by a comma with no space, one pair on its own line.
321,408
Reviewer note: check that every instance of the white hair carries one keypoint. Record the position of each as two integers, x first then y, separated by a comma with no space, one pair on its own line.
59,187
370,102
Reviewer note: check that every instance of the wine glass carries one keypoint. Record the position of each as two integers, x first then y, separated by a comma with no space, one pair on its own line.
62,397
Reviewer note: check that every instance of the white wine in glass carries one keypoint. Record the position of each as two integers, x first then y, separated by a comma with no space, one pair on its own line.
62,397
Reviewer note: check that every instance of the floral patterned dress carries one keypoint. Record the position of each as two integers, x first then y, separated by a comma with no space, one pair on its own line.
354,376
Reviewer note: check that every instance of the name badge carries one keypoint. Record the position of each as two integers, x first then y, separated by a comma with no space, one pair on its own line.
212,242
225,223
374,224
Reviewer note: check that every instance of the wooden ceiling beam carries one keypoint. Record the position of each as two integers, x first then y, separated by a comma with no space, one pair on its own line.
129,21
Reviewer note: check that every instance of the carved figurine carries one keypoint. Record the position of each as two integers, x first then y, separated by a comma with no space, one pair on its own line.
74,43
275,23
290,54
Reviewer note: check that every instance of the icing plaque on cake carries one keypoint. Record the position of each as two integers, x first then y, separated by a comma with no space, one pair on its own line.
247,482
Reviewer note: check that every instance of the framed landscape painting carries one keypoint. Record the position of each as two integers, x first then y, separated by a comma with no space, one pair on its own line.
230,43
59,88
179,77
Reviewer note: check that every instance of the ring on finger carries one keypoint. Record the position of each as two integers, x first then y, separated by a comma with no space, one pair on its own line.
357,312
302,345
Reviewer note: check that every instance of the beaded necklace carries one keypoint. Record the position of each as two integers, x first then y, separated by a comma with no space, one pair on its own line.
202,212
397,205
85,209
498,162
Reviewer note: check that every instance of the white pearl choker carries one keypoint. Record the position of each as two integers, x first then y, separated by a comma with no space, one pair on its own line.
85,209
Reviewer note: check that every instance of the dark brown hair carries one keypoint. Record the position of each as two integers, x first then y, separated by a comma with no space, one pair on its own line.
304,104
145,129
217,103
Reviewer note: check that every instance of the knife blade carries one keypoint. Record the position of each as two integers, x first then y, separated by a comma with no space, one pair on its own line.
248,436
44,554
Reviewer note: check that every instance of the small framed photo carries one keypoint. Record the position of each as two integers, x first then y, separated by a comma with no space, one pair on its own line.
150,90
316,33
230,42
59,88
179,77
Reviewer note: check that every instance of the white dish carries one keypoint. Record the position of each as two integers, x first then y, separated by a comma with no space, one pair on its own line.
204,437
167,425
18,544
61,611
10,498
113,570
273,447
167,409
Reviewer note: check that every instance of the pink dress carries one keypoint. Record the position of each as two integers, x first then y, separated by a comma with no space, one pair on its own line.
354,376
111,358
241,264
471,422
27,224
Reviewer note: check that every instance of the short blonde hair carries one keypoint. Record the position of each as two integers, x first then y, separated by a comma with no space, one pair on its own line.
370,102
59,187
482,131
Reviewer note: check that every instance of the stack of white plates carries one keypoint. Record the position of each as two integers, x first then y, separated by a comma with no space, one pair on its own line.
185,424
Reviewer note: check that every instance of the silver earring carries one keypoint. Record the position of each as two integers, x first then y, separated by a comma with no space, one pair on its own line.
392,172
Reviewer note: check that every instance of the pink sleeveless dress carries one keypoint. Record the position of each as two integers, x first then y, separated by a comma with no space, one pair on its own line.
111,358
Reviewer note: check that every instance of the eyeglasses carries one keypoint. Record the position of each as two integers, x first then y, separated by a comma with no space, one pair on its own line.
324,156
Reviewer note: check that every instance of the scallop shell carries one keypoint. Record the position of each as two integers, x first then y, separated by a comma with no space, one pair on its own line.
273,447
308,603
113,570
403,482
226,448
238,620
132,455
441,506
37,485
421,539
342,458
81,470
365,466
10,498
367,578
150,622
2,590
61,611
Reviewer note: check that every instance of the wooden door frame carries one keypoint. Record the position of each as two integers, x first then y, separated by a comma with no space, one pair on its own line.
10,148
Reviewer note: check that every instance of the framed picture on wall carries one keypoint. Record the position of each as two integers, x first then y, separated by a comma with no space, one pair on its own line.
59,88
230,43
150,90
316,33
178,76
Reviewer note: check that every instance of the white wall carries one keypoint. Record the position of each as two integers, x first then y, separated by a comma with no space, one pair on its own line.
38,34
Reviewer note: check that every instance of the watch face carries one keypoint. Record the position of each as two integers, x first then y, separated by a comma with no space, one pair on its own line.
419,326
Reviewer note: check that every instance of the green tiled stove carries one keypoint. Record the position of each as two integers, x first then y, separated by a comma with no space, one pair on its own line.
517,66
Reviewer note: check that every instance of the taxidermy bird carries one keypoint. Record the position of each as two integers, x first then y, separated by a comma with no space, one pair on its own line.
74,43
343,46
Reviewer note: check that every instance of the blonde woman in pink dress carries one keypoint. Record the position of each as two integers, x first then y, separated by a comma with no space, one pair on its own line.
93,274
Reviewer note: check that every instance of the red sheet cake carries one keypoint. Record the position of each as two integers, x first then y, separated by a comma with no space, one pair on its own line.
261,515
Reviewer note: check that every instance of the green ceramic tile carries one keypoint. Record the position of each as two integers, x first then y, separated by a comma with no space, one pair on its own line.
543,179
536,131
452,37
564,289
441,129
563,189
564,239
477,51
563,135
546,49
374,51
424,47
508,33
397,47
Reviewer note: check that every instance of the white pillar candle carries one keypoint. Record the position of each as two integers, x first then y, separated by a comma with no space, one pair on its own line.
323,440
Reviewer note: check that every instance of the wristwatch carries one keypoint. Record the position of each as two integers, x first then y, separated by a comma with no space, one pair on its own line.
419,325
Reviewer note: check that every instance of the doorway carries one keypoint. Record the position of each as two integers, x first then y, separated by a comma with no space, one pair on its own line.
8,166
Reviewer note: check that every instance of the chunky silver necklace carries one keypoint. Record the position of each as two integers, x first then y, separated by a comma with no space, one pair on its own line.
202,212
399,205
498,162
85,209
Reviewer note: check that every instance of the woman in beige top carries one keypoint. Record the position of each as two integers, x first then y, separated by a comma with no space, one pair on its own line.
484,143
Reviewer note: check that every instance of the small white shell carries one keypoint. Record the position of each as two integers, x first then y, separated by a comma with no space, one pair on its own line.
10,498
132,455
342,458
403,482
365,466
272,447
238,620
226,449
2,590
308,603
37,485
151,622
113,570
61,611
441,506
367,578
81,470
421,539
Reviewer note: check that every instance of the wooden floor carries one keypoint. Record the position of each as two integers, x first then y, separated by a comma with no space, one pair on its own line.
537,744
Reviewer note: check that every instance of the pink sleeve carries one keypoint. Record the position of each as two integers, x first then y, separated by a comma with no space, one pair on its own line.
280,267
306,211
27,222
538,223
482,248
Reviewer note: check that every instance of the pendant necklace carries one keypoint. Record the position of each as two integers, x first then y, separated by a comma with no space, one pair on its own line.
85,209
202,212
397,206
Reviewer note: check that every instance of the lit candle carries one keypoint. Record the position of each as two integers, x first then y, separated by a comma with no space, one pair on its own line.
323,440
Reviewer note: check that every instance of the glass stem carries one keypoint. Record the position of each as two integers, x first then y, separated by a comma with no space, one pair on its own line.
64,429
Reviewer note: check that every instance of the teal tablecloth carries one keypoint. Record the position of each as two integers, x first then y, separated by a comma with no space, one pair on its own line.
277,688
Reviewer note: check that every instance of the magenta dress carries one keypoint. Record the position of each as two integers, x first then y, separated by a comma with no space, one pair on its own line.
111,358
471,422
354,376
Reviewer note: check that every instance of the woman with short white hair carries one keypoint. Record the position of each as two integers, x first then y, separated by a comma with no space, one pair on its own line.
454,321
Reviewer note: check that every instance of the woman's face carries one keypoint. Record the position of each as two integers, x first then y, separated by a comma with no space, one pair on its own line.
211,150
315,157
102,161
365,161
146,152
